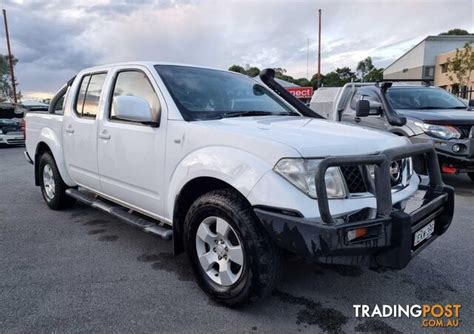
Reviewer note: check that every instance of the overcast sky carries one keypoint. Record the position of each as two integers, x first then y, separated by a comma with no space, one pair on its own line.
55,39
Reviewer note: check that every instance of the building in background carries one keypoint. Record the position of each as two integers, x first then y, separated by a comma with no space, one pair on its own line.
420,61
442,80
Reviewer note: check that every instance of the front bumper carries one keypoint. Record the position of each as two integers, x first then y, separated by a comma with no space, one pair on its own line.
462,159
14,140
391,228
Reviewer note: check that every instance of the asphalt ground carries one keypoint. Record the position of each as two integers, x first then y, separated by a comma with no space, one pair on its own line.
80,270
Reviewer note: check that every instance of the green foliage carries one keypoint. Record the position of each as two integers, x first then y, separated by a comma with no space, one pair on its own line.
455,32
237,68
375,75
252,71
303,82
6,91
338,78
363,67
461,66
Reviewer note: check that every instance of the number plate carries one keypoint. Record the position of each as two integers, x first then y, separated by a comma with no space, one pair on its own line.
424,233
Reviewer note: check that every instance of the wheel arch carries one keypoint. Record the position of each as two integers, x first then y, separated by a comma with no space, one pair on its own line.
191,191
41,148
51,146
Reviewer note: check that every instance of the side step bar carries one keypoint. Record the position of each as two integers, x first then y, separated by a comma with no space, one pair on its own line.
121,213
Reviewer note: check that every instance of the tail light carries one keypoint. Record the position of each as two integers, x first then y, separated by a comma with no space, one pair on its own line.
23,127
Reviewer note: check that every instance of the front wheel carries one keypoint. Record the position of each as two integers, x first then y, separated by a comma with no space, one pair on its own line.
52,185
471,176
234,259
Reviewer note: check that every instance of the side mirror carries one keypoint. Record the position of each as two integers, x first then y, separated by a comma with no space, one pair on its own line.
362,108
375,108
132,108
471,103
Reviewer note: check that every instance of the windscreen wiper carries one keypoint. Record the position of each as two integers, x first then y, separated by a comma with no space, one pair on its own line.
433,108
254,113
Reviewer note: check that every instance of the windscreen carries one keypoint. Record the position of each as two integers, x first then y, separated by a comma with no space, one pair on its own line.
423,98
202,94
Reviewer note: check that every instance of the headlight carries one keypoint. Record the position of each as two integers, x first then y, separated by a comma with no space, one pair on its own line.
440,131
301,173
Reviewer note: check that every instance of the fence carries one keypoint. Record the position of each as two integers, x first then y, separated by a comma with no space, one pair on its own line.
464,93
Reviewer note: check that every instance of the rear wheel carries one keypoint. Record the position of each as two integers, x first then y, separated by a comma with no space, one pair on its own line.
52,185
234,259
471,176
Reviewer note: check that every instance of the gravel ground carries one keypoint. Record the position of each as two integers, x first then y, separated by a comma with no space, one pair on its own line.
82,271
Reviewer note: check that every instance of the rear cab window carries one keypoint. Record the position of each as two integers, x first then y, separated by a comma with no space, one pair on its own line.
88,96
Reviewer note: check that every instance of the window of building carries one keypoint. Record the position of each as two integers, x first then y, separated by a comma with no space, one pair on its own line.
429,71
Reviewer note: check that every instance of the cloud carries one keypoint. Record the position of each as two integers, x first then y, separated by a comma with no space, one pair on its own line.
55,39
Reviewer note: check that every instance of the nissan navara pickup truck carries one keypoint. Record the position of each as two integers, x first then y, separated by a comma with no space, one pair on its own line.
236,172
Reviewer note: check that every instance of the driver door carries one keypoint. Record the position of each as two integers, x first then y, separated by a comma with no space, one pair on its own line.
131,154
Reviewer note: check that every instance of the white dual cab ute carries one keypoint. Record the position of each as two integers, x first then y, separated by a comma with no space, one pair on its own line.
236,172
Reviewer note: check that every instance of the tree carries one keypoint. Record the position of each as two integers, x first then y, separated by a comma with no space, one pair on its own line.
455,32
303,82
336,78
461,66
252,71
375,75
364,67
345,74
6,90
237,68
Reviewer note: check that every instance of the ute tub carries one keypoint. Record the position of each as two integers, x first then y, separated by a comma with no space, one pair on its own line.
390,229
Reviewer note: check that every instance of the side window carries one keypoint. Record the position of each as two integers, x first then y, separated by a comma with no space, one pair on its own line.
357,96
87,102
135,83
364,95
58,106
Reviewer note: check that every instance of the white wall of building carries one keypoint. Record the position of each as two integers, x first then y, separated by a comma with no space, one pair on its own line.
424,54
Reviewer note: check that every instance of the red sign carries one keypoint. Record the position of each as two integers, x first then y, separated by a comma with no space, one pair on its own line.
301,92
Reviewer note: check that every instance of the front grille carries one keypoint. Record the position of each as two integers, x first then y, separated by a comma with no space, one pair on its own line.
465,131
354,179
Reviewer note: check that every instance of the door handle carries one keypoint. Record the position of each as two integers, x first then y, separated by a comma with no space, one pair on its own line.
69,129
104,134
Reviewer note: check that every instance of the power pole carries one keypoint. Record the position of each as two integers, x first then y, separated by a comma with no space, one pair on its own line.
319,51
10,57
307,60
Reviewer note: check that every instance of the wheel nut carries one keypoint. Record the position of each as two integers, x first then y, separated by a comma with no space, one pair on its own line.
215,241
225,257
214,249
226,249
219,257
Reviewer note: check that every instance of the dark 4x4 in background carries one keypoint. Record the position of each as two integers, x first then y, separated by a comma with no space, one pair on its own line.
421,113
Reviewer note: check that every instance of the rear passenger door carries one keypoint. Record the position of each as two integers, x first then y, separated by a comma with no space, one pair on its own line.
80,130
131,154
